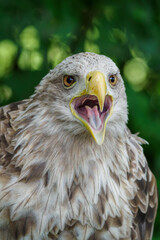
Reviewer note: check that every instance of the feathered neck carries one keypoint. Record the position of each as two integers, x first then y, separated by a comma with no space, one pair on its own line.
46,151
70,172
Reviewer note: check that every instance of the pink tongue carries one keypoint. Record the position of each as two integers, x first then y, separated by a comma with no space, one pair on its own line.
94,117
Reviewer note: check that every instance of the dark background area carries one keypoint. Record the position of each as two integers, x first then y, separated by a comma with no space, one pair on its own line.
36,35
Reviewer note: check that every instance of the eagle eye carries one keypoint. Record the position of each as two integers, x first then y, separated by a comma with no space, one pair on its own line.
68,81
113,80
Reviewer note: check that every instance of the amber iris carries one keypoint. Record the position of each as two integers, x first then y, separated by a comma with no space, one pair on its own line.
113,80
68,81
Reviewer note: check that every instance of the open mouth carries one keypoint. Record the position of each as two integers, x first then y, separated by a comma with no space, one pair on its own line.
87,108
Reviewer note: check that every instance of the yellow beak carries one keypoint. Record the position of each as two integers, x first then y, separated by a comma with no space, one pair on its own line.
96,85
93,118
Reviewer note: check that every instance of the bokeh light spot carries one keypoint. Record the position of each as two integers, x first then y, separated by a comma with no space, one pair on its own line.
93,34
30,60
57,52
109,12
29,38
135,71
91,47
136,53
117,36
24,60
36,60
5,93
8,51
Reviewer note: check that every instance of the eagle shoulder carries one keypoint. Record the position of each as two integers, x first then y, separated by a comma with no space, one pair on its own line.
8,114
145,201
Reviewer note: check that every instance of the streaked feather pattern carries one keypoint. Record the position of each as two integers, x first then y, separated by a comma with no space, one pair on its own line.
56,183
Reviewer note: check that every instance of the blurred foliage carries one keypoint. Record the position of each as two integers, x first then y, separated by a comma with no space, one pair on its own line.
37,35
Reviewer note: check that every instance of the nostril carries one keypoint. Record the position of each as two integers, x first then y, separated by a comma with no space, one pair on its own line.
89,79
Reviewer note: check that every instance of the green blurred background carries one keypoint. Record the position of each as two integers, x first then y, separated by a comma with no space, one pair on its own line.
36,35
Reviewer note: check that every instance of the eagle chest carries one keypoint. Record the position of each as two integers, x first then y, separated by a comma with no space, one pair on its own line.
91,206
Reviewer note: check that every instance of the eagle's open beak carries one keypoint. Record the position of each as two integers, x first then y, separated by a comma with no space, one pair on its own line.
93,106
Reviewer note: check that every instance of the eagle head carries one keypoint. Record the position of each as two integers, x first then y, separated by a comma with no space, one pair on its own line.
86,93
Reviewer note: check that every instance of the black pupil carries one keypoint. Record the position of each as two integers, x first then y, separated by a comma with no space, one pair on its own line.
69,80
112,79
